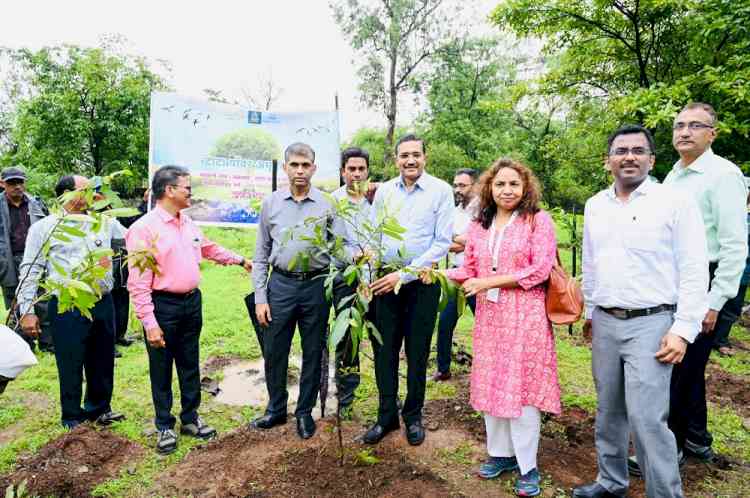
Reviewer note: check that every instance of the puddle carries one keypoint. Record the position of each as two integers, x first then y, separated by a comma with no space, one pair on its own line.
244,384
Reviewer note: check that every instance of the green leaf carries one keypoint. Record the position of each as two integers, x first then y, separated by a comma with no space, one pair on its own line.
375,332
71,230
305,261
340,326
82,218
121,212
460,302
293,262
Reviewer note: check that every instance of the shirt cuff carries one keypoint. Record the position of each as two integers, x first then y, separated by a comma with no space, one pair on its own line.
406,277
149,321
686,329
716,301
261,296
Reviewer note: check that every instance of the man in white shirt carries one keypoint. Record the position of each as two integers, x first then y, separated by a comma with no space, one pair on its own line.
645,275
464,213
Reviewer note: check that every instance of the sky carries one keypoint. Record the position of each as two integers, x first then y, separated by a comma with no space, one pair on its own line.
219,44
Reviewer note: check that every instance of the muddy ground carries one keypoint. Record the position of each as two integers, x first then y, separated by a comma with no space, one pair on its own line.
73,464
276,463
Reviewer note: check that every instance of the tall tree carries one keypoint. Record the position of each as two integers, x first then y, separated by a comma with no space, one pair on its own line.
394,39
88,110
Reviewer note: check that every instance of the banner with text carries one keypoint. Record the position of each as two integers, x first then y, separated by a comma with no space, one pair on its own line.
230,151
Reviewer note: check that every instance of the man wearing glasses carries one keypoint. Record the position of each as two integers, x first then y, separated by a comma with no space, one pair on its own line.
719,187
168,303
644,283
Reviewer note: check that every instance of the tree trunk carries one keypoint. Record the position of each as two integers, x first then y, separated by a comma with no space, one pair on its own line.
390,112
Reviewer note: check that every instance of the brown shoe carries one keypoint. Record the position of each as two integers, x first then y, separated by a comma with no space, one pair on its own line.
441,376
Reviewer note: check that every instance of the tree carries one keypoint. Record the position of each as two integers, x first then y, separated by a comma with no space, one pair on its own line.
87,112
394,39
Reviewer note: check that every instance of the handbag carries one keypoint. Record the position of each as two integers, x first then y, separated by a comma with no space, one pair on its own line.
564,301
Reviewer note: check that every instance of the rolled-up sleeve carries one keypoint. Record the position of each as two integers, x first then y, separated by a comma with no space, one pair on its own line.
140,283
692,261
731,225
263,246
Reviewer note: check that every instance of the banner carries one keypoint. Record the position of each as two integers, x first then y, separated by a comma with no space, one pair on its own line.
230,152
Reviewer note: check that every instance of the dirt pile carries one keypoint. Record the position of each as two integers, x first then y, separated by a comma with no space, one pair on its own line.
73,464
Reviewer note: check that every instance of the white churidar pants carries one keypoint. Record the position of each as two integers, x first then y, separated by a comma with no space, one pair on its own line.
519,437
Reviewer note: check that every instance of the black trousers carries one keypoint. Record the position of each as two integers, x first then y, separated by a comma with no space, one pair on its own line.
347,361
84,345
730,313
294,303
121,300
409,318
688,414
181,319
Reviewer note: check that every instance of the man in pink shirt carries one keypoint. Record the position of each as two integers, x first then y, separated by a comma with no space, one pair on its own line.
169,303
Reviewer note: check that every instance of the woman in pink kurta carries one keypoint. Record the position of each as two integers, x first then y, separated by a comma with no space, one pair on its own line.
509,254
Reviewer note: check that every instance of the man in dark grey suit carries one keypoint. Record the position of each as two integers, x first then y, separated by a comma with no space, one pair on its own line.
18,211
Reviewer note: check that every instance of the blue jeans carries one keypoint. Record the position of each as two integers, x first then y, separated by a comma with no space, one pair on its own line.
448,320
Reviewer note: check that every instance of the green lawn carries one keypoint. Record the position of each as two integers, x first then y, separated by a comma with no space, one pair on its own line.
29,409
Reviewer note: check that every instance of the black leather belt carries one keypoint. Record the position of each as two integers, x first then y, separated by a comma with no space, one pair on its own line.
300,275
625,314
177,295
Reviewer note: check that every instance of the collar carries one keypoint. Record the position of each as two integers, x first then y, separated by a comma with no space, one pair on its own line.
312,195
643,189
699,165
24,201
421,181
165,216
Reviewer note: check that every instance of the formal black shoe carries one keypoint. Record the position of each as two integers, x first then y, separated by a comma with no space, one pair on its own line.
305,426
702,453
124,341
593,490
109,418
377,432
635,470
415,433
268,421
441,376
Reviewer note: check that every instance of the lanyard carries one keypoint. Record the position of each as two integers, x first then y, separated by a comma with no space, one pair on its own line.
493,245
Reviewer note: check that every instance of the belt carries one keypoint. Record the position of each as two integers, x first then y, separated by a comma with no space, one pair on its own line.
300,275
625,314
178,295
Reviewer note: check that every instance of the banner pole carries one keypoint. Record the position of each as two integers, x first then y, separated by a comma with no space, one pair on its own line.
274,174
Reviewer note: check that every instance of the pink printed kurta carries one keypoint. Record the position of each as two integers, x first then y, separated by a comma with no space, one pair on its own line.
515,364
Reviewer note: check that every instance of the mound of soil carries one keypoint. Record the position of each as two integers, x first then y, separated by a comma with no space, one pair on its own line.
73,464
276,463
727,390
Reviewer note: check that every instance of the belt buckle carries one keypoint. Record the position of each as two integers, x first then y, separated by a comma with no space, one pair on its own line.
620,313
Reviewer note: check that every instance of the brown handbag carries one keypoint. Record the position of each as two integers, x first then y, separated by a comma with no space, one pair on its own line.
564,297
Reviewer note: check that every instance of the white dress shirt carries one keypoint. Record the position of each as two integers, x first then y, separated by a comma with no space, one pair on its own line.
462,218
646,251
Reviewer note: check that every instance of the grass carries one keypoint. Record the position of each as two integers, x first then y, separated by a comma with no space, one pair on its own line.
227,332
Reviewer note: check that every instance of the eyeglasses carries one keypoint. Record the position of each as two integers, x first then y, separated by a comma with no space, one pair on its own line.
636,151
189,189
693,126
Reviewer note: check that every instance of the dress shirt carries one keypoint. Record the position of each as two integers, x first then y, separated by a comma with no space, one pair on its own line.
180,245
66,255
719,188
345,230
648,251
19,225
280,216
462,217
426,212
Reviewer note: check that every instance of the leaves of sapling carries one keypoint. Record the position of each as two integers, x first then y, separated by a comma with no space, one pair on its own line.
340,326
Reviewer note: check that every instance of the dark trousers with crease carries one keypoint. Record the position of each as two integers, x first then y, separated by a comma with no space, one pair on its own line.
83,345
294,303
730,313
121,299
347,361
181,319
404,318
688,414
446,325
